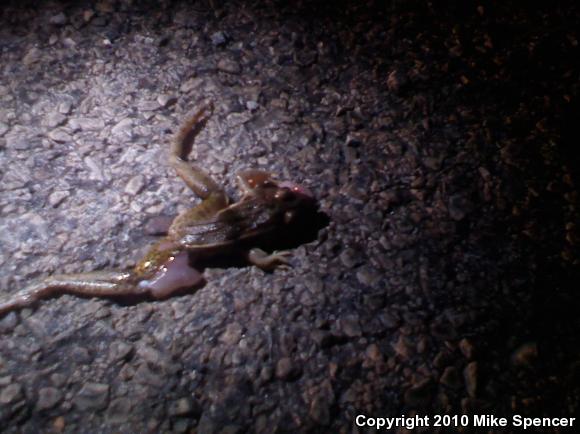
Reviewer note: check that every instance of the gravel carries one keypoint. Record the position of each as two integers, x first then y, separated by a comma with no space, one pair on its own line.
439,141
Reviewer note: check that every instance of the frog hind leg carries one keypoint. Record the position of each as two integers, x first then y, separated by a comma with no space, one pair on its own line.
194,177
95,284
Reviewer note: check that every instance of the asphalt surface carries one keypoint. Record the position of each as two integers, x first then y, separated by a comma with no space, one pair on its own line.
439,141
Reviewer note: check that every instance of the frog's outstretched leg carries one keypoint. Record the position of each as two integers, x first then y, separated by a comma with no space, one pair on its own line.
95,284
195,178
214,197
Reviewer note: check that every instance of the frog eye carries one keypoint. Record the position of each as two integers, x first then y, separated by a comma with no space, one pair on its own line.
296,188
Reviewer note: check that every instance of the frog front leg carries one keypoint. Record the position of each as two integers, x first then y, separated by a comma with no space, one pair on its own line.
269,261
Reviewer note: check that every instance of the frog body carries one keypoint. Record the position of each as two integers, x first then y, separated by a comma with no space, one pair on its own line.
213,227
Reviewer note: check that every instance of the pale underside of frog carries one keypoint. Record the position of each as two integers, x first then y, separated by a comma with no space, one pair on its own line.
213,227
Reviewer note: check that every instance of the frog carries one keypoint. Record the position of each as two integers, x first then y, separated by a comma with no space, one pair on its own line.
216,226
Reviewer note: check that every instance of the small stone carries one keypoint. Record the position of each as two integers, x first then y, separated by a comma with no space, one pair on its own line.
368,275
58,380
95,170
285,369
252,105
3,129
266,373
396,81
57,197
219,38
60,136
320,410
59,424
92,396
123,128
81,355
402,348
228,65
458,207
32,56
11,393
8,322
120,350
58,19
53,120
466,348
135,185
184,407
373,353
350,326
87,124
232,334
349,258
88,15
470,375
165,100
119,409
48,397
451,378
18,140
65,107
432,163
525,354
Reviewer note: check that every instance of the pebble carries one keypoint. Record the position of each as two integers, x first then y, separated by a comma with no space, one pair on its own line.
350,258
135,185
92,396
368,275
286,369
123,128
11,394
60,136
229,66
451,378
470,375
350,326
525,354
58,19
48,397
166,100
54,119
87,124
320,410
219,38
58,197
119,409
184,407
32,56
466,348
232,334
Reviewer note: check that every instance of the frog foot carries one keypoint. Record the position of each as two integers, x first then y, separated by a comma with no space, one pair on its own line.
269,261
